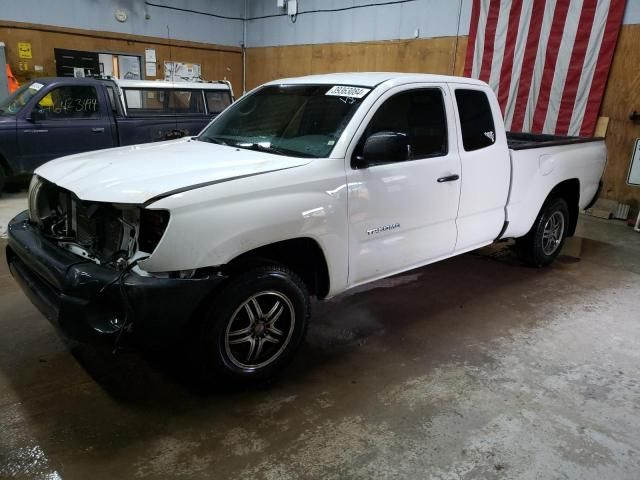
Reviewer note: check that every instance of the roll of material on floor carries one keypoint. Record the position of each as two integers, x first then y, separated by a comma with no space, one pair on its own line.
622,211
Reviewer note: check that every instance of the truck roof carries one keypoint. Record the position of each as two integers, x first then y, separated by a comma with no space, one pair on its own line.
161,83
372,79
218,85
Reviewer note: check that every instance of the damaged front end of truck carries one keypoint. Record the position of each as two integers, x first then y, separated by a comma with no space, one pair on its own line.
78,263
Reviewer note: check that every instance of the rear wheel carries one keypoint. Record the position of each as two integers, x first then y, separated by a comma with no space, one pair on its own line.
253,327
544,241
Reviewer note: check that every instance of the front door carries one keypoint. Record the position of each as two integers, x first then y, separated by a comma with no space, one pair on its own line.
66,119
402,214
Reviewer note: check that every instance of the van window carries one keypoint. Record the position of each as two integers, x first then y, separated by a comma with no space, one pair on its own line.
159,101
217,100
476,119
71,101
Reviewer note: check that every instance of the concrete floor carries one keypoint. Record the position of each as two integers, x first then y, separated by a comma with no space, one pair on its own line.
476,367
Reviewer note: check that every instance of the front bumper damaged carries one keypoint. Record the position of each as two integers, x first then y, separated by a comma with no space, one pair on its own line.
95,304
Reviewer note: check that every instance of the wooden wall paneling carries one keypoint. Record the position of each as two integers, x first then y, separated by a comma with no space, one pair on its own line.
217,62
434,55
622,96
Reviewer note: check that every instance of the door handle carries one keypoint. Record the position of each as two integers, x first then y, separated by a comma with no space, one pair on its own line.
97,129
448,178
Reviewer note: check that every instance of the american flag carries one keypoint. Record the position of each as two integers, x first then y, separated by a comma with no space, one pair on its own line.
547,60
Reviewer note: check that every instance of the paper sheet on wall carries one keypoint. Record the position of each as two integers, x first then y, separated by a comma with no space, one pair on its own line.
150,55
181,72
129,67
150,69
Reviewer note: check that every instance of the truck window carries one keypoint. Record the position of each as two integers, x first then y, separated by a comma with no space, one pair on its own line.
420,115
476,119
113,100
70,101
158,101
217,100
18,99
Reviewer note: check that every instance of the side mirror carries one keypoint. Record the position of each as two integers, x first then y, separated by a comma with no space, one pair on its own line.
37,115
383,147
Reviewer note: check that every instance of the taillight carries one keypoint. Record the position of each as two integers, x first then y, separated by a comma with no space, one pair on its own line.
153,223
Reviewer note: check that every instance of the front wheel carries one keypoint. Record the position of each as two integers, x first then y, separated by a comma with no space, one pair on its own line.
254,326
544,241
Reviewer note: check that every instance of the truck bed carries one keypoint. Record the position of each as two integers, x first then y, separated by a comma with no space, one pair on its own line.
524,141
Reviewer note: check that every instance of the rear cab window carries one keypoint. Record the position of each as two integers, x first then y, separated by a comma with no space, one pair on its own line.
163,101
217,100
476,119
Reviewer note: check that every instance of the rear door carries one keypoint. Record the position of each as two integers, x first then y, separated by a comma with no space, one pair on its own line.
402,214
69,118
486,167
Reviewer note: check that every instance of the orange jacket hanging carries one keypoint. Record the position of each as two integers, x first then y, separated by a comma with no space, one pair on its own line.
13,83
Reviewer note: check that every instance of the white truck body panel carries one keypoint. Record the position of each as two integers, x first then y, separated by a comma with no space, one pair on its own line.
399,193
138,173
485,182
535,173
225,201
215,224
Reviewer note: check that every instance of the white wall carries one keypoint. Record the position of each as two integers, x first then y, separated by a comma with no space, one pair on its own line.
99,15
434,18
632,12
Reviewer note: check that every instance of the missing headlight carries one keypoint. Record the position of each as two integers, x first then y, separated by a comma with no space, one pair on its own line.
153,224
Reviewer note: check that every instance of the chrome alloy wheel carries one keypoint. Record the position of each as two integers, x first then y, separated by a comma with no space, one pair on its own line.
260,329
553,233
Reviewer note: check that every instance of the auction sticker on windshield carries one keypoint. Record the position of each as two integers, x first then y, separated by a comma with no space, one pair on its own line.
36,86
344,91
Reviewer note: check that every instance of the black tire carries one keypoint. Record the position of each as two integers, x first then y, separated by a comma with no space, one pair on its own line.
540,247
228,336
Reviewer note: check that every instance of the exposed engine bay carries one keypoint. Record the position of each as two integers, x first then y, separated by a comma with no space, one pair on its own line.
113,235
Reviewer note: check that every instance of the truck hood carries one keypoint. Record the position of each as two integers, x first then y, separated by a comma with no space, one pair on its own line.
141,173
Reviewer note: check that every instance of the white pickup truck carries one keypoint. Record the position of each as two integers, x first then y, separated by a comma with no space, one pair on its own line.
305,186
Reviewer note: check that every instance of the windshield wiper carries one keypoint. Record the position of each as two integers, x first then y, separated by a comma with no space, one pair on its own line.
217,141
271,149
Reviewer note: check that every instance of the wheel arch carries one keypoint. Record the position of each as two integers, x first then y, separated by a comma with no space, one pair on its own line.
303,255
569,190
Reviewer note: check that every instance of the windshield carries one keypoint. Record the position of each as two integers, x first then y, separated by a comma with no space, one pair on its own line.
295,120
14,102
